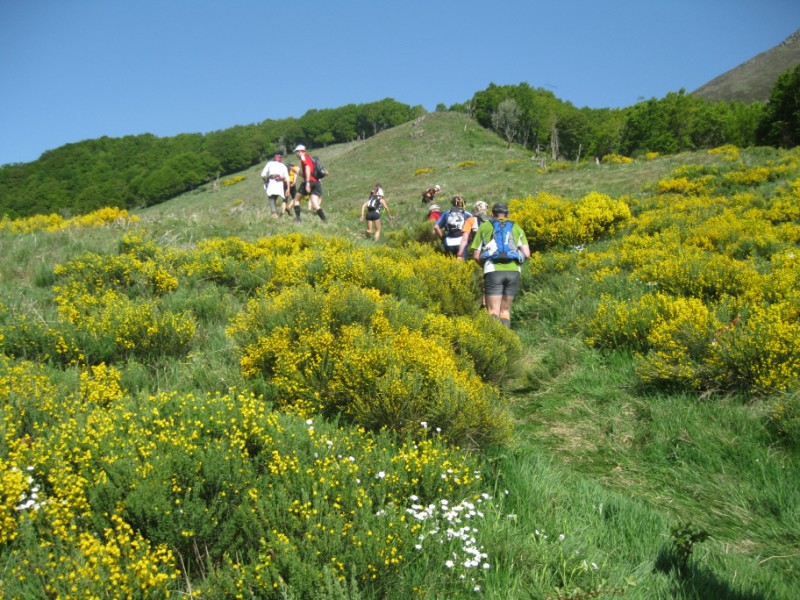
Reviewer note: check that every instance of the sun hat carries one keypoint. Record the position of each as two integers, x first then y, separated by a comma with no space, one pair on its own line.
433,207
299,147
437,187
500,208
481,205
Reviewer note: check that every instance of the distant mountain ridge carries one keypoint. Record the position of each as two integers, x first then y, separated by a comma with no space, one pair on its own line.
753,80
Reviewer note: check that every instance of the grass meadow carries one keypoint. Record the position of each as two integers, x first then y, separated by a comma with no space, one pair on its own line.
198,400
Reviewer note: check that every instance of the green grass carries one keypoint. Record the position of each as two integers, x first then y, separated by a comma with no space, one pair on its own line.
598,460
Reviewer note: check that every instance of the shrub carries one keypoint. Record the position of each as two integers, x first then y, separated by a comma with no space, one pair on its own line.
551,221
679,341
350,350
761,352
233,180
617,159
683,185
728,152
54,222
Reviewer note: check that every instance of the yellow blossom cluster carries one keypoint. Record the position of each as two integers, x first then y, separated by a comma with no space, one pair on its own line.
549,220
233,180
727,151
54,222
617,159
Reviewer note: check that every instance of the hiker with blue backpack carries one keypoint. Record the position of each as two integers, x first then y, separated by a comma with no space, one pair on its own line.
449,227
371,210
500,247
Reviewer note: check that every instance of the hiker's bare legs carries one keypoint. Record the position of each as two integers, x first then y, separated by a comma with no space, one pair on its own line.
500,307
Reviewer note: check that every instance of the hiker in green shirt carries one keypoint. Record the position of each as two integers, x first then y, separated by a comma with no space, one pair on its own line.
500,247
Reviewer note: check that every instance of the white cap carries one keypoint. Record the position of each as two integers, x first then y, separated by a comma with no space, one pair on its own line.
299,147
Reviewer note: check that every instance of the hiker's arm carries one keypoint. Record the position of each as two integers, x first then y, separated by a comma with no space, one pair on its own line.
463,246
386,206
363,209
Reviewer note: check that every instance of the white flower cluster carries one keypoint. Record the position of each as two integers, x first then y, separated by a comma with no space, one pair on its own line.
30,499
450,524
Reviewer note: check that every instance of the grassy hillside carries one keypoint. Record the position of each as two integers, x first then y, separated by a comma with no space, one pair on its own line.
463,157
637,436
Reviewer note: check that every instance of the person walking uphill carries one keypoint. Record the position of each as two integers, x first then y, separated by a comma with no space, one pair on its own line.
311,186
501,247
429,195
276,178
373,207
450,224
291,192
471,227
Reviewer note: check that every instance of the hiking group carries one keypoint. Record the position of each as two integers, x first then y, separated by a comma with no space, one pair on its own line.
498,244
281,182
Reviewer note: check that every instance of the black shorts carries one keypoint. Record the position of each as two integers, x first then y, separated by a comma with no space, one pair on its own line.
373,215
501,283
316,189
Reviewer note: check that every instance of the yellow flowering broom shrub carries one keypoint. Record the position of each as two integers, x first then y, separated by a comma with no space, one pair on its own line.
727,151
350,350
709,300
617,159
761,351
53,222
683,185
175,493
549,220
679,341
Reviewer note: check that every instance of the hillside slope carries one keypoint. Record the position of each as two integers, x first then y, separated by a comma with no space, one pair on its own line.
753,80
444,148
602,464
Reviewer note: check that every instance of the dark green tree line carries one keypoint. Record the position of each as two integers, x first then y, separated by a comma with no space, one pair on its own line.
536,119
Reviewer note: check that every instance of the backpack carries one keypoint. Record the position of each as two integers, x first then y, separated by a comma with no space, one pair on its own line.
454,222
374,203
502,248
319,170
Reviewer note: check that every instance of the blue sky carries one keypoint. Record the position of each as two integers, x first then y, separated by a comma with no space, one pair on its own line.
79,69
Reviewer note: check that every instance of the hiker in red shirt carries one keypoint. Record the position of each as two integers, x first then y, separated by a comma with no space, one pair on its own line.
310,187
